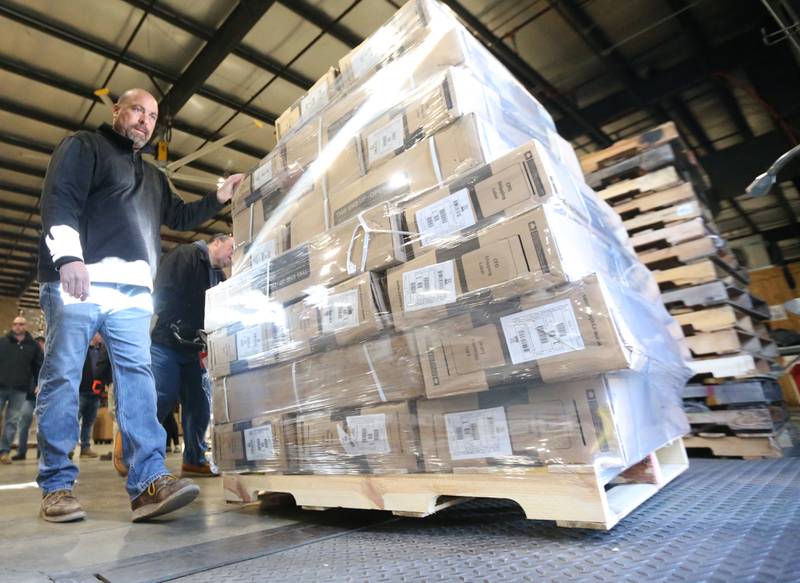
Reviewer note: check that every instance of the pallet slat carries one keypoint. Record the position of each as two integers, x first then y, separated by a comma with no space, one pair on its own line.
629,147
715,293
652,182
764,446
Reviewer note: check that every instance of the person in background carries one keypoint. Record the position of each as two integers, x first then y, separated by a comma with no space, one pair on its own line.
102,208
173,435
20,360
96,376
26,415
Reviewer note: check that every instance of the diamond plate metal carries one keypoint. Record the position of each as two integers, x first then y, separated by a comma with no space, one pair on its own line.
722,521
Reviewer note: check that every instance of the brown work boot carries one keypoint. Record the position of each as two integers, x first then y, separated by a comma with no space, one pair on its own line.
88,452
117,457
5,459
164,494
202,471
61,506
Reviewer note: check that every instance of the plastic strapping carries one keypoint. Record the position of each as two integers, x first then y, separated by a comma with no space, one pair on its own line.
435,160
376,380
294,383
225,397
361,224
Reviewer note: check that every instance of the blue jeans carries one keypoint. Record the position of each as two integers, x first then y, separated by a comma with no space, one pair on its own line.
25,420
89,404
15,399
179,378
121,313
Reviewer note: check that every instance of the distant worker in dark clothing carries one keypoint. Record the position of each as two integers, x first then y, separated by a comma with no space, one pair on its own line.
96,376
20,360
180,299
26,414
173,435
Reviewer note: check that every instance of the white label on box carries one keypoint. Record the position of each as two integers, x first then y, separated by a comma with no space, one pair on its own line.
259,443
446,216
778,312
262,252
429,286
385,140
366,434
364,59
478,434
249,342
684,209
541,332
262,174
340,312
316,99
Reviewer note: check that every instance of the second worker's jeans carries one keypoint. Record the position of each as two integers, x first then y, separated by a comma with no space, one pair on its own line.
15,399
24,427
121,313
89,404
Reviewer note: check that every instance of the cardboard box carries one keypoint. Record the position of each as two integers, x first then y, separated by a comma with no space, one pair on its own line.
374,371
538,249
331,318
370,440
574,332
314,100
457,148
570,423
262,180
265,246
256,444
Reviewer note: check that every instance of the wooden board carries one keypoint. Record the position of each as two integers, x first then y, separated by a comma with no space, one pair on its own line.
713,294
771,284
731,367
662,218
671,197
736,420
669,257
629,147
704,271
573,496
755,447
714,319
651,182
637,165
725,342
674,234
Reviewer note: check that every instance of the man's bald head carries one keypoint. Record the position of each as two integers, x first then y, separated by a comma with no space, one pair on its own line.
134,116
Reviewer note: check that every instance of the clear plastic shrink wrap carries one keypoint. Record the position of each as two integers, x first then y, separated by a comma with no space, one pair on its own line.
423,282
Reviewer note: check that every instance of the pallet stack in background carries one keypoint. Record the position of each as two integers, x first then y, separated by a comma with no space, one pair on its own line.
424,283
733,402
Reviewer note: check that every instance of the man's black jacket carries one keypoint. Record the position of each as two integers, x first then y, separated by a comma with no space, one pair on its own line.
100,372
19,362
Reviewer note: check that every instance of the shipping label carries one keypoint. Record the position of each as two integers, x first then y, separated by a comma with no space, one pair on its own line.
540,332
385,140
445,216
259,443
478,434
263,252
365,435
249,342
314,101
433,285
340,312
262,175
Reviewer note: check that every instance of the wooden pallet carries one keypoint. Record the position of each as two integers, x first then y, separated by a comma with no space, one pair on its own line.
574,496
712,294
743,446
752,420
674,234
682,254
737,366
662,218
652,182
734,393
629,147
724,342
672,197
714,319
637,165
705,271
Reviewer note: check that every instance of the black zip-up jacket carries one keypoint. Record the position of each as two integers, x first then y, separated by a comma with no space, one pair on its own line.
101,371
97,187
20,362
180,292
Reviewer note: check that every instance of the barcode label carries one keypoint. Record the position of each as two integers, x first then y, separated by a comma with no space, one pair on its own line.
541,332
478,434
262,174
314,101
366,434
340,311
262,252
249,342
445,216
364,60
429,286
385,140
684,209
259,443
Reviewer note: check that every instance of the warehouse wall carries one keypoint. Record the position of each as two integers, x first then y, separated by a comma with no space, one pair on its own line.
771,285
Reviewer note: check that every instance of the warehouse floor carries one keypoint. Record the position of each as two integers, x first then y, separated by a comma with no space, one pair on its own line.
724,520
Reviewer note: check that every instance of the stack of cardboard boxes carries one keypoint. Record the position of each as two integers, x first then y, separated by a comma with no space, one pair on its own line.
423,282
653,182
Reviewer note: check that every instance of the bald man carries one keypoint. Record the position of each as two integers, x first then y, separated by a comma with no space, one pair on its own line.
102,211
20,359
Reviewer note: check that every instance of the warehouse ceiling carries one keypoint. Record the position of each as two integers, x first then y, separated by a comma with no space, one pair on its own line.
605,69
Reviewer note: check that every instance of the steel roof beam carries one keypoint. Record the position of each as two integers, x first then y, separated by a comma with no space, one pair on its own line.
529,76
321,20
236,26
52,28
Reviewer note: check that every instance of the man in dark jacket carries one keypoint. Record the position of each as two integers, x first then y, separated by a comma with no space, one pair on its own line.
102,210
96,375
20,359
26,414
180,299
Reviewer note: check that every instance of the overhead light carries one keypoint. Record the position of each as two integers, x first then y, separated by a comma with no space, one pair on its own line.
764,182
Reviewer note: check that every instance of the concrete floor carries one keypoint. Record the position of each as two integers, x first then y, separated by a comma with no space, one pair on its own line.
37,551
